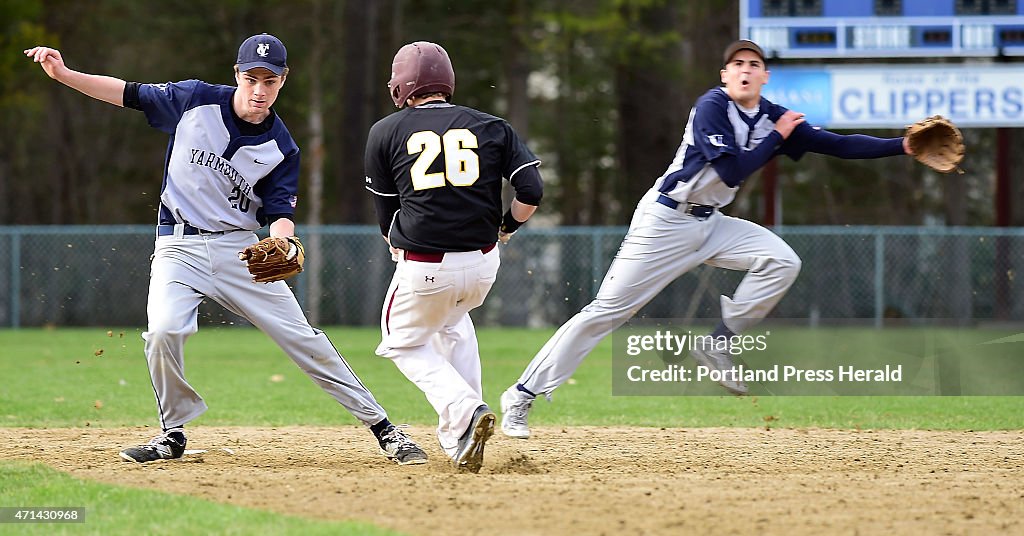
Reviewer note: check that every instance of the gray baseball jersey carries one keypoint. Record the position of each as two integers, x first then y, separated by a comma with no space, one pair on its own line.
223,179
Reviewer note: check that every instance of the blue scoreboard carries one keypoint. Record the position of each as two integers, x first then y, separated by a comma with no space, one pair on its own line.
884,28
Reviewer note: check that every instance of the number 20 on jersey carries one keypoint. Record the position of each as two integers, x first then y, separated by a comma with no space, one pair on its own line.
461,163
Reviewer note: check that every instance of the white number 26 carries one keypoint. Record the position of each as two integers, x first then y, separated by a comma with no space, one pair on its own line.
461,163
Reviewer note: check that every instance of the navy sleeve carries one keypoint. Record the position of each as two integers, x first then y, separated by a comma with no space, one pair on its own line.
164,104
790,147
853,146
712,132
280,189
734,169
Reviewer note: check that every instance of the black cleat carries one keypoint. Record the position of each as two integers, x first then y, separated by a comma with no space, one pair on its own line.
162,447
399,447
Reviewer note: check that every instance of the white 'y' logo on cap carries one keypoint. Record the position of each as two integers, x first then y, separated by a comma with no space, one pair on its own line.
262,49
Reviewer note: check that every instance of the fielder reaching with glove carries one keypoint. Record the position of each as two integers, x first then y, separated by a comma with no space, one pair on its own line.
731,132
231,167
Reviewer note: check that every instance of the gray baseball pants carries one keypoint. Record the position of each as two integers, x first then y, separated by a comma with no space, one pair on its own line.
185,269
663,244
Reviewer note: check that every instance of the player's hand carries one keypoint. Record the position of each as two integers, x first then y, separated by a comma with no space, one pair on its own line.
788,122
504,237
906,146
50,60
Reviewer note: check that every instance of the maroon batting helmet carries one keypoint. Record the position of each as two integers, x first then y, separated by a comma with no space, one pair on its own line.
420,68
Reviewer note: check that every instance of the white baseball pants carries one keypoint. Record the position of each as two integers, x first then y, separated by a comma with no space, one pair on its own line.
427,332
663,244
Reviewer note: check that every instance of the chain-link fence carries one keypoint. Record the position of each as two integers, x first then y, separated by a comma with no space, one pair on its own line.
64,275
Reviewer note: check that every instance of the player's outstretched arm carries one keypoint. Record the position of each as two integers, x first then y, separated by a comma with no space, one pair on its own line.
850,146
104,88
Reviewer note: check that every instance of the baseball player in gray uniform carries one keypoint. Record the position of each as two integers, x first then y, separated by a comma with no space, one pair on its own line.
731,133
231,168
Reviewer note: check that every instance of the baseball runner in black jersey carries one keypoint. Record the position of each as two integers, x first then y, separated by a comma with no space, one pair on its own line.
436,172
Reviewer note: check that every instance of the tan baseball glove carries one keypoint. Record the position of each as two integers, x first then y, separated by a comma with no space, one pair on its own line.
937,143
273,259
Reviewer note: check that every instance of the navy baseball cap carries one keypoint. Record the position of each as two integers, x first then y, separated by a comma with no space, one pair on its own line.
742,44
263,50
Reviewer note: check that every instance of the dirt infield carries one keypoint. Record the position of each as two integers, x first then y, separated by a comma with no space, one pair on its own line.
586,479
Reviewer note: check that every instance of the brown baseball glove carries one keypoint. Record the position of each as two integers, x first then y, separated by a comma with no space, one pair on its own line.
936,143
273,259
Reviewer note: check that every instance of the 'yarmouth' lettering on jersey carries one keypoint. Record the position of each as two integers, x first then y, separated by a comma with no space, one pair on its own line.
216,163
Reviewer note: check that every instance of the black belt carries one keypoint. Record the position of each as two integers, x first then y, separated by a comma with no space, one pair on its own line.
693,209
168,230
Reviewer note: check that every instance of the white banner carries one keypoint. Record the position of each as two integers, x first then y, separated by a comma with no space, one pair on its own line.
893,96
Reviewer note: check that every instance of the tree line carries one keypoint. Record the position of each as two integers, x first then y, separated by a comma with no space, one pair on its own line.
601,90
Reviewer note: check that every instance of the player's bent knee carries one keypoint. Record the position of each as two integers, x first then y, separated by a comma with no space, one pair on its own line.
159,335
793,263
605,309
789,267
604,315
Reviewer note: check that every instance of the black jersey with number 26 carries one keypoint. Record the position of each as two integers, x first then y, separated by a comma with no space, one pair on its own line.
446,164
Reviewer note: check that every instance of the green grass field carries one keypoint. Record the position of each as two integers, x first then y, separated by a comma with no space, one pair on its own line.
54,378
92,377
134,511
